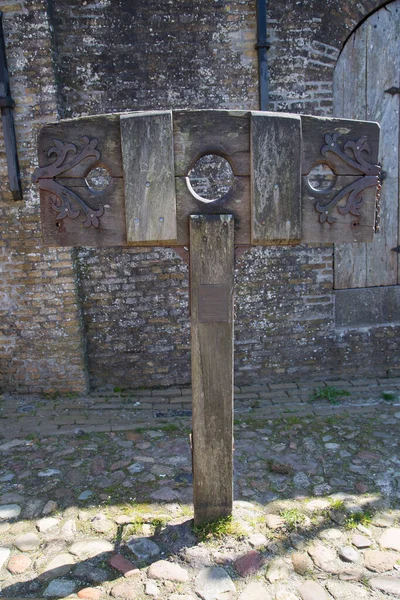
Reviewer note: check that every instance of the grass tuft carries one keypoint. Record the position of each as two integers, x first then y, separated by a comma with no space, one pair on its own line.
330,393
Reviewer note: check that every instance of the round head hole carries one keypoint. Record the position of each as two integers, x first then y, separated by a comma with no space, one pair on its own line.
211,178
98,179
321,178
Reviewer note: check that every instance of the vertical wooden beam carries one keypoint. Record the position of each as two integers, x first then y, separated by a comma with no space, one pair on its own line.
211,288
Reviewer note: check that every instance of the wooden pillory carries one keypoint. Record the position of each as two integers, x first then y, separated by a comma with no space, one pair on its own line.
125,180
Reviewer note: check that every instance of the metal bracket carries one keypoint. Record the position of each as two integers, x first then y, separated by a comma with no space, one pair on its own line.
397,249
7,102
353,154
67,156
393,90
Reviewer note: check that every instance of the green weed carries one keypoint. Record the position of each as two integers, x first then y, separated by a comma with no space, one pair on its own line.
216,530
330,393
388,396
358,518
293,518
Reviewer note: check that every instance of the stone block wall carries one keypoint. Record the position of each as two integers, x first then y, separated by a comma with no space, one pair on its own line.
120,316
41,347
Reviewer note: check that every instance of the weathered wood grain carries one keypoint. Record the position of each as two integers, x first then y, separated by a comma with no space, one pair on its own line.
104,128
211,281
62,155
236,202
149,181
222,132
373,53
347,228
383,72
350,101
275,180
314,130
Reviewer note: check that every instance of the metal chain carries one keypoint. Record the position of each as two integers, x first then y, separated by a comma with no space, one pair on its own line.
378,204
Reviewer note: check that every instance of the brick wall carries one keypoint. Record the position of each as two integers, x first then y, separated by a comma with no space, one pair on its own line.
40,328
107,57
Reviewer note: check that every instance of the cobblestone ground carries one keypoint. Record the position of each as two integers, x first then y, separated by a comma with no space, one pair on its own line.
100,514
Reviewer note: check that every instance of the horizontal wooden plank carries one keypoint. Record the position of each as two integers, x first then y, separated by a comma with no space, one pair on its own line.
236,202
221,132
148,162
276,185
314,130
346,227
59,136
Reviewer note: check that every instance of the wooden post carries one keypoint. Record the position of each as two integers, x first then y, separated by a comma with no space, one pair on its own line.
211,289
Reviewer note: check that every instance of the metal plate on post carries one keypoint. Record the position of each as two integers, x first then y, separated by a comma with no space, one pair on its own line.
213,303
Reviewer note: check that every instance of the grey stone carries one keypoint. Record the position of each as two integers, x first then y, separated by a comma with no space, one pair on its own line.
89,573
135,468
27,542
101,524
4,555
255,591
324,558
59,588
390,585
277,570
151,589
33,508
165,494
125,590
351,572
213,581
143,548
85,495
330,534
12,444
282,593
59,566
382,520
49,473
90,547
348,554
379,561
310,590
49,507
391,539
9,511
169,571
47,523
341,590
360,541
256,540
197,557
274,521
68,530
302,563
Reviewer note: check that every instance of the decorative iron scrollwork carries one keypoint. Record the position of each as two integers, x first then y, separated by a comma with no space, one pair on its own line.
67,203
353,154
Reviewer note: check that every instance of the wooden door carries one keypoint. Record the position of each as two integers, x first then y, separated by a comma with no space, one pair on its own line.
366,86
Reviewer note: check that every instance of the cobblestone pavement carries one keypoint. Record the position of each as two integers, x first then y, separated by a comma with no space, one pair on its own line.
104,510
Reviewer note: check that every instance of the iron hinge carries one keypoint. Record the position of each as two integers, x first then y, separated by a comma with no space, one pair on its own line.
393,90
397,249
